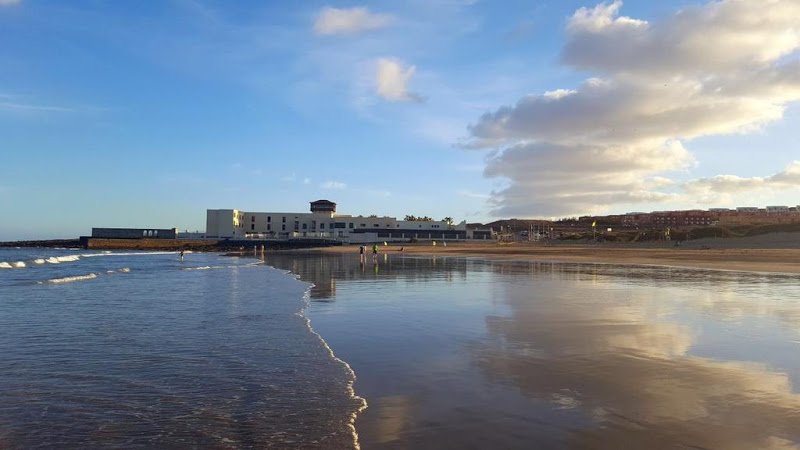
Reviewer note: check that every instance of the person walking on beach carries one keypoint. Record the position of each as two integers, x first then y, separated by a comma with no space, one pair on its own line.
375,253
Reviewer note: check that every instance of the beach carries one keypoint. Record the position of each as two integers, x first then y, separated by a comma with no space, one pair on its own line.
454,349
726,254
465,346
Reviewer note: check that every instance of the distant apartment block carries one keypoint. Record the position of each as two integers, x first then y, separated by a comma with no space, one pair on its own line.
713,216
323,222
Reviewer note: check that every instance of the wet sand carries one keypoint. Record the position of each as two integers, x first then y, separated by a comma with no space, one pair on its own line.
780,260
498,352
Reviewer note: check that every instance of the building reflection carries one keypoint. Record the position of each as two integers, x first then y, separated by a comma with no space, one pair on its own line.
324,271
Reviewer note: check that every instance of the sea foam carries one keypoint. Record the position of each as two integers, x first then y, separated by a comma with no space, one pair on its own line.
71,279
61,259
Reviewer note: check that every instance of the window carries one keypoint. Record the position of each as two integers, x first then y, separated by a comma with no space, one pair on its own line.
252,226
376,225
350,225
283,227
363,225
269,227
269,219
305,226
284,219
252,218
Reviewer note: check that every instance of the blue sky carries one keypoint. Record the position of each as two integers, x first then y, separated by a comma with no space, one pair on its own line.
148,113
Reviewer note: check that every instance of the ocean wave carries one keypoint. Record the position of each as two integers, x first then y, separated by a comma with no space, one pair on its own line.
200,268
124,270
13,265
360,401
62,259
39,261
89,276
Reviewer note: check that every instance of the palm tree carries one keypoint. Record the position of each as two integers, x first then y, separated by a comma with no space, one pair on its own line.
449,221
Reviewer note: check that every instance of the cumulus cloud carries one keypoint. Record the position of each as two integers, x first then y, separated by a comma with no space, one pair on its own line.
331,21
724,35
333,185
721,68
392,78
721,185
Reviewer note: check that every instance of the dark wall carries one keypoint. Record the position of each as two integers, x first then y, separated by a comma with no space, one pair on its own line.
134,233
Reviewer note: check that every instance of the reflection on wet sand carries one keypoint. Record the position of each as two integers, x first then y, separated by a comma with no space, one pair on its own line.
612,357
563,355
324,272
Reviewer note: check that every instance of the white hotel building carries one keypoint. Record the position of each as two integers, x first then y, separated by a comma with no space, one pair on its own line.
323,223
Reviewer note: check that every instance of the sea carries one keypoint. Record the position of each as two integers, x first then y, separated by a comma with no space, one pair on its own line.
143,350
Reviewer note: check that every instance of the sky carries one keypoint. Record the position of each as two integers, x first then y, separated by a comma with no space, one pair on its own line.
145,114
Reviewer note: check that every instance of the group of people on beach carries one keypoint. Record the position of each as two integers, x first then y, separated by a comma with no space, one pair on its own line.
362,250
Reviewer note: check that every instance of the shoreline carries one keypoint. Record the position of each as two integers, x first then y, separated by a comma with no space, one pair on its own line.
763,260
775,253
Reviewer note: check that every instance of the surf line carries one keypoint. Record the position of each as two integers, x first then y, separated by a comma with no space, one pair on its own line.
351,424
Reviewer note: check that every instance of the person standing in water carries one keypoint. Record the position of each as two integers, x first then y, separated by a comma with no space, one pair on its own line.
182,251
361,251
375,253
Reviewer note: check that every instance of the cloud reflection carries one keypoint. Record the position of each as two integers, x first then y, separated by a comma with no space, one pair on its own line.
609,354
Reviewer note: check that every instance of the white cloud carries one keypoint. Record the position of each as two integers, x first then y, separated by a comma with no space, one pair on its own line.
30,108
348,21
601,17
306,180
333,185
9,2
728,34
474,195
721,186
391,80
717,69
